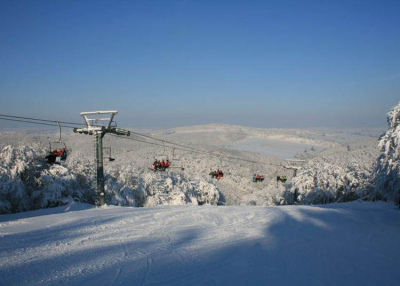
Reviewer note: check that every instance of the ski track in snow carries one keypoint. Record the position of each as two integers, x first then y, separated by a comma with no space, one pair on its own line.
352,243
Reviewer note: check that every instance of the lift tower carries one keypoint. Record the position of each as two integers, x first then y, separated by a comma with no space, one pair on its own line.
99,123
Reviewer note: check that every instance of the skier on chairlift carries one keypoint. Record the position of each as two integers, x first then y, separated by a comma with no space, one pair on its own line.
155,165
56,156
218,174
167,164
258,178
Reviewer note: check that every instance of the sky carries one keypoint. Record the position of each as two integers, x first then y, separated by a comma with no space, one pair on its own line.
166,63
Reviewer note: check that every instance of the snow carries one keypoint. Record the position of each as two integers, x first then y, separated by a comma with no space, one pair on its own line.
274,148
338,244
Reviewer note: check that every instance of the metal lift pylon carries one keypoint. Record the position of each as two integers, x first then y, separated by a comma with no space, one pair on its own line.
100,127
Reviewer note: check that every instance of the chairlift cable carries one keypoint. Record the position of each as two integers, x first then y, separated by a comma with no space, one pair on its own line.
44,120
38,123
198,151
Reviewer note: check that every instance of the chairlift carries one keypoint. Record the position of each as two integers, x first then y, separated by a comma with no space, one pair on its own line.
257,177
174,159
291,164
162,156
58,150
173,155
221,163
108,154
160,165
218,173
281,179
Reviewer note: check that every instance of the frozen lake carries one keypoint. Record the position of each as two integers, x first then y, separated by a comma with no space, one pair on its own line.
274,148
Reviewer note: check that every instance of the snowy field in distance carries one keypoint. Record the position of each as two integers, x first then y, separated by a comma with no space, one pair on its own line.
339,244
275,148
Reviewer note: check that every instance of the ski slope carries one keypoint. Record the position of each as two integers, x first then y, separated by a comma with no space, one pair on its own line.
339,244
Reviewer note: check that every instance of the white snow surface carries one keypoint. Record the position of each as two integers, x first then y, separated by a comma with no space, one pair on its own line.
281,149
338,244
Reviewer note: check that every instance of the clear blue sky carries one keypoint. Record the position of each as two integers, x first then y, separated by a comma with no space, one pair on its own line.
175,63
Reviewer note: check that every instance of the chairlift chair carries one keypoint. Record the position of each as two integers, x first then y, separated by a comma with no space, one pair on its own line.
166,158
221,164
55,146
108,156
293,165
215,174
257,177
162,156
174,158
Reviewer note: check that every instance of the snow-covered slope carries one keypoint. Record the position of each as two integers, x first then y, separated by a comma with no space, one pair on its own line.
338,244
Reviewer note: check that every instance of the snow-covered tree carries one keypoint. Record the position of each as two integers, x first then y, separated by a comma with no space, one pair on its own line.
338,174
59,185
388,166
27,183
19,167
126,187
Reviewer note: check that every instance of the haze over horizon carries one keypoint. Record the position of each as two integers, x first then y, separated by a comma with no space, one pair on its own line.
165,64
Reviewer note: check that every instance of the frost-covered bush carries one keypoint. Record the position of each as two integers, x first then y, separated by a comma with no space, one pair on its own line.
27,182
122,188
18,169
336,175
126,187
388,165
60,185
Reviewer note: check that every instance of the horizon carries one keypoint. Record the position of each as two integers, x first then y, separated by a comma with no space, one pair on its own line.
166,64
24,127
